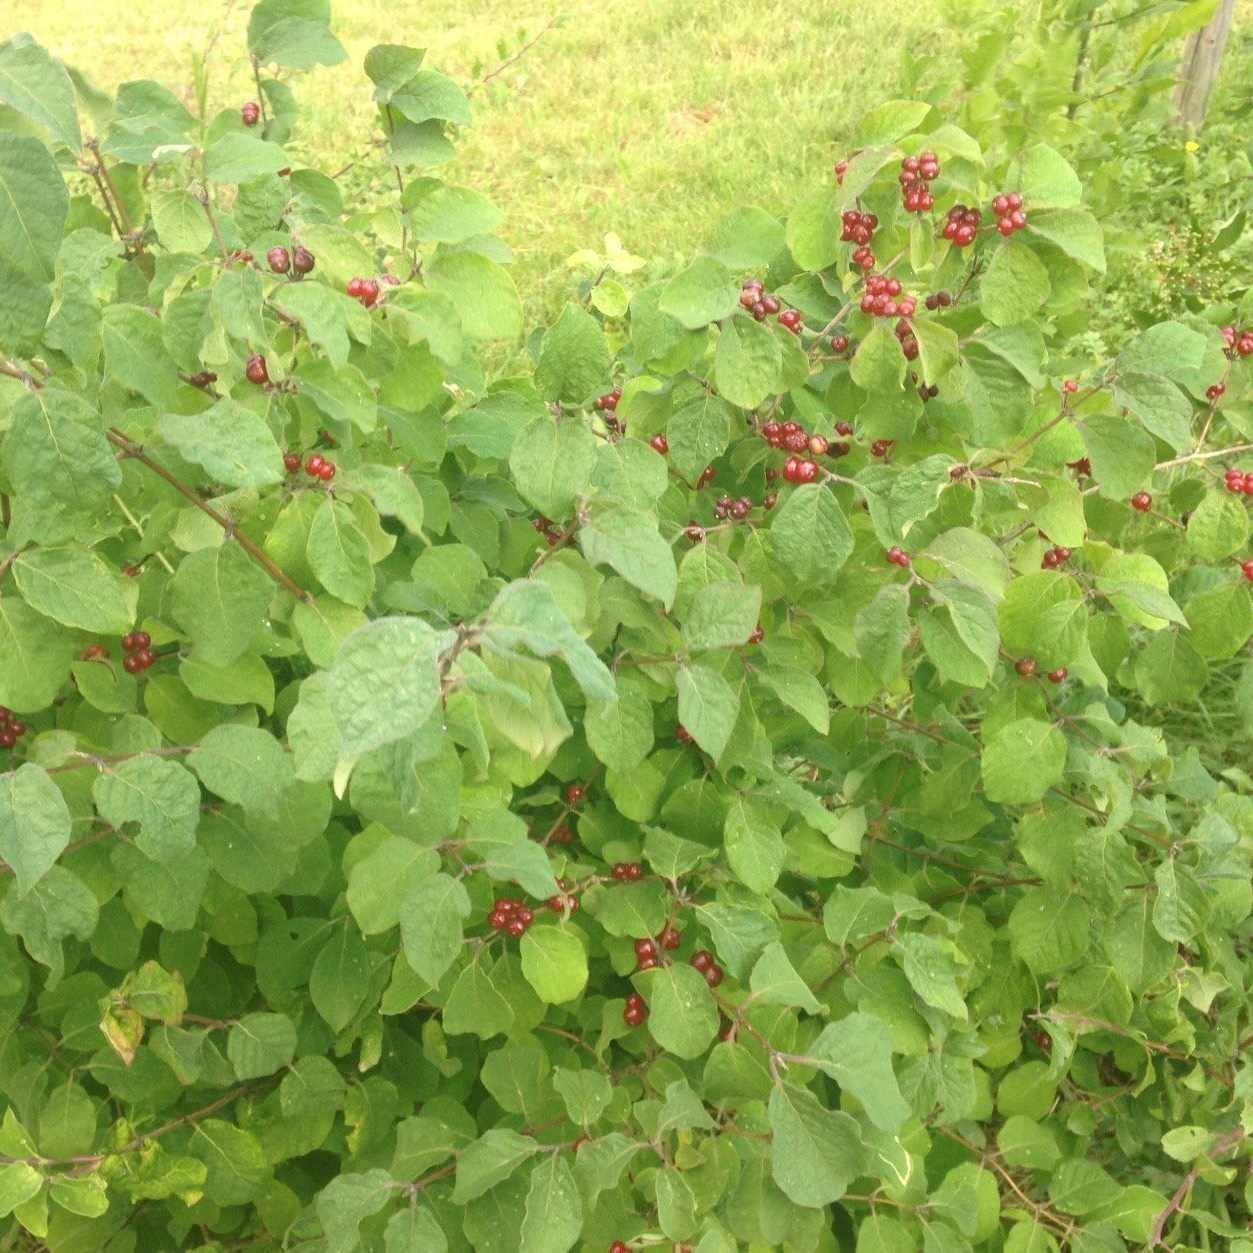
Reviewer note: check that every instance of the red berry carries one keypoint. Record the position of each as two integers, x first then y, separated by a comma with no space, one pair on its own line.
257,371
1142,501
250,113
898,556
137,640
660,444
132,664
1058,675
575,793
619,870
1026,666
291,462
669,937
516,928
279,259
1247,569
682,734
702,959
327,472
303,260
645,948
806,471
757,635
1070,386
313,467
818,445
354,287
770,500
94,652
713,976
839,343
1216,391
7,738
880,447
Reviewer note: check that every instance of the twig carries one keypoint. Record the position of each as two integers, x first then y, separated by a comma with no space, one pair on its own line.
1224,1145
517,56
258,554
1202,456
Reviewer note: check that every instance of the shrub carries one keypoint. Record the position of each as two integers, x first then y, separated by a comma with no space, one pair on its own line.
684,795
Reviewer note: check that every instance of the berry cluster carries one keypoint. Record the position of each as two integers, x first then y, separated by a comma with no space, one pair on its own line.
898,556
703,960
12,728
793,437
257,371
800,470
759,302
511,916
365,290
859,228
1215,391
962,225
908,342
138,649
317,467
725,507
280,260
1239,343
635,1014
608,402
939,300
1055,557
1010,215
880,298
916,173
250,113
646,955
627,871
1239,482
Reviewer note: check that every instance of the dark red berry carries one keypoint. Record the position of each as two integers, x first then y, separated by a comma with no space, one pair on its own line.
669,937
645,948
250,113
94,652
132,663
291,462
713,976
660,444
682,734
1058,675
303,260
257,371
1026,666
575,793
1142,501
702,959
279,259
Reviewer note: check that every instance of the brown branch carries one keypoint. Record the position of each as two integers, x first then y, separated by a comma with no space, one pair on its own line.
259,555
1224,1145
108,190
517,56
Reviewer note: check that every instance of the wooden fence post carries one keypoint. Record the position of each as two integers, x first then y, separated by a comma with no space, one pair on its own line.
1202,56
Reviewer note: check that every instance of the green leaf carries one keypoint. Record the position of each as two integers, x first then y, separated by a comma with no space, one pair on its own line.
1170,671
39,88
810,535
1122,453
180,221
813,230
490,1160
1022,760
34,823
554,963
1043,615
1014,285
620,731
703,293
233,444
1049,933
774,981
293,33
722,615
385,681
552,463
890,121
627,540
1218,527
340,978
586,1093
37,655
881,629
815,1153
683,1018
18,1183
1165,411
754,845
857,1054
749,362
236,158
414,1230
451,215
708,707
162,796
432,913
937,348
747,237
75,587
243,765
33,208
574,361
57,906
346,1202
698,432
261,1044
1046,179
1075,231
878,365
339,554
554,1208
219,597
482,291
931,967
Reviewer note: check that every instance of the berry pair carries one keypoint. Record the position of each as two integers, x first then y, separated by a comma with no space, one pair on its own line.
317,467
898,557
939,300
510,916
564,901
138,649
1055,557
636,1012
881,447
863,258
962,225
12,728
1239,343
883,298
739,509
1239,482
858,228
704,961
608,402
800,470
1010,216
908,341
627,871
301,261
365,290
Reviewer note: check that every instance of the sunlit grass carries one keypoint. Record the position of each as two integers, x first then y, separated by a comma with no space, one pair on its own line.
648,118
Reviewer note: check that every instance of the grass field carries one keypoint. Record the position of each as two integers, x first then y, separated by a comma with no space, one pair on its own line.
648,118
